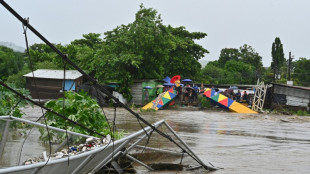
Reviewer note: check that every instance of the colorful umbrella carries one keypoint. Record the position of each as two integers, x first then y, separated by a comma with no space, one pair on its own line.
147,87
169,84
233,87
187,80
174,78
167,79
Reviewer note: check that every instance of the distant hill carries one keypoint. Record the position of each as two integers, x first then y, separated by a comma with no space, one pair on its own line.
12,46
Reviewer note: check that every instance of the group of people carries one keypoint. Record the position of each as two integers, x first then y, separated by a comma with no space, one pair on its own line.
235,96
189,94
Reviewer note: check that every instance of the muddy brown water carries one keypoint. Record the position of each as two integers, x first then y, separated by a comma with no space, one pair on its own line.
238,143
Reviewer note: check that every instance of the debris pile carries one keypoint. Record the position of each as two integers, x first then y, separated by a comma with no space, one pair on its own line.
90,144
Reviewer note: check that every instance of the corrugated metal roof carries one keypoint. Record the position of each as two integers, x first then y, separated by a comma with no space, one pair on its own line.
54,74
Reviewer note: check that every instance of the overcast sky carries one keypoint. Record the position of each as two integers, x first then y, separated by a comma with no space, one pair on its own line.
228,23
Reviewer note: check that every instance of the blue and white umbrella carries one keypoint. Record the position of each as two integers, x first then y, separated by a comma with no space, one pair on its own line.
167,79
147,87
187,80
169,84
233,87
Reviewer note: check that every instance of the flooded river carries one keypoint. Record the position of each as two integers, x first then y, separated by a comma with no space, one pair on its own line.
238,143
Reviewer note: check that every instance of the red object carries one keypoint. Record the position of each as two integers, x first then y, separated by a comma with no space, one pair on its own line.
224,102
208,93
171,103
174,78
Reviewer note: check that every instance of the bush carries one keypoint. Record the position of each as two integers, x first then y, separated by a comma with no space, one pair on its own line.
18,79
82,109
204,102
302,113
10,103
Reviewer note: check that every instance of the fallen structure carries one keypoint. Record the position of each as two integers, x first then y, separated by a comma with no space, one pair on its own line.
88,160
162,100
226,102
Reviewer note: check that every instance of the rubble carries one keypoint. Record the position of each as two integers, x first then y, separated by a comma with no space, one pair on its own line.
90,144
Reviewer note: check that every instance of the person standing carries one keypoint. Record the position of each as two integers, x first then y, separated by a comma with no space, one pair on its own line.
238,96
245,97
146,95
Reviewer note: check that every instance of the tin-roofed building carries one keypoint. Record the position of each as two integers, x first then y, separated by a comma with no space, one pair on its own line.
48,84
295,97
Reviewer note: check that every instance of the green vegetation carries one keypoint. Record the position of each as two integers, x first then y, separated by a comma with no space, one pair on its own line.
301,74
80,108
204,102
10,103
143,49
277,56
235,66
302,113
148,49
10,62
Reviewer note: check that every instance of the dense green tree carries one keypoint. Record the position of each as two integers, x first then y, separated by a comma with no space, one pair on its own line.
91,40
10,62
235,66
147,49
83,52
43,53
135,51
212,74
249,56
40,53
238,72
228,54
183,59
234,72
143,49
277,56
301,73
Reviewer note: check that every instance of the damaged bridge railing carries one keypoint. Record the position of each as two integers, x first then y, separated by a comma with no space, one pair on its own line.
91,160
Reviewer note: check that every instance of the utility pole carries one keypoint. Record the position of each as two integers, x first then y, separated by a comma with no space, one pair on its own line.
289,66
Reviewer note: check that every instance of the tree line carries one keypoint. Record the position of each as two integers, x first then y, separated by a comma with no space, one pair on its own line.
148,49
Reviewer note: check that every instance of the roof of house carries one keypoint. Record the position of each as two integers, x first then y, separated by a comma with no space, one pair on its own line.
54,74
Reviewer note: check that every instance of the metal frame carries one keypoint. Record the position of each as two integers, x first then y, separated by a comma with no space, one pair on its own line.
259,96
12,118
119,144
90,155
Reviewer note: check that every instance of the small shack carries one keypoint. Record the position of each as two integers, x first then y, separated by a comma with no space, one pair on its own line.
137,89
48,84
295,97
